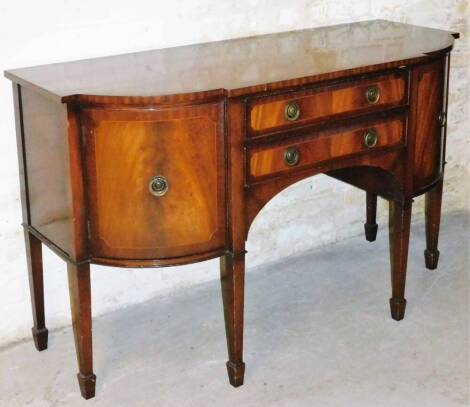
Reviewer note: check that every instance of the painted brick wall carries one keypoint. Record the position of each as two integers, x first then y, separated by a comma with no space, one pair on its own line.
314,212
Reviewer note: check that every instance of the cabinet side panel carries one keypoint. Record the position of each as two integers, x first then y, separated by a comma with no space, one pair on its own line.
429,132
20,148
47,168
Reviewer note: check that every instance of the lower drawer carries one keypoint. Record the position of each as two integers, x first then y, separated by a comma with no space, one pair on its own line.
317,148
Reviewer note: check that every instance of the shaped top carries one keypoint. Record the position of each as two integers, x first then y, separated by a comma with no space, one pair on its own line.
241,65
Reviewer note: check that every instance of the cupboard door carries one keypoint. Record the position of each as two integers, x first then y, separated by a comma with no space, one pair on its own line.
156,181
429,118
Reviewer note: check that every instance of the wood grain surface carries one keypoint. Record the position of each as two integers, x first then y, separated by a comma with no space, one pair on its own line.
125,150
429,147
324,146
241,66
327,102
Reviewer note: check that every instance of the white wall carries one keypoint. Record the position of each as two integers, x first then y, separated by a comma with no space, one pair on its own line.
314,212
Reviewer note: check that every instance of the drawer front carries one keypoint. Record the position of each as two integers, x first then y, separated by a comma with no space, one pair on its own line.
156,181
321,147
289,110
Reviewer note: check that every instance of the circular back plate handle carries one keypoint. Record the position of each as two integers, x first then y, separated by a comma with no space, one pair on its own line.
291,156
158,185
442,118
370,138
292,111
373,94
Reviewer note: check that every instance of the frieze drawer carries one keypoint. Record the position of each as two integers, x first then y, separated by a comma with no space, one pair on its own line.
284,111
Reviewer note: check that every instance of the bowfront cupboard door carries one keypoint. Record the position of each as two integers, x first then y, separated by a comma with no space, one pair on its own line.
156,181
429,114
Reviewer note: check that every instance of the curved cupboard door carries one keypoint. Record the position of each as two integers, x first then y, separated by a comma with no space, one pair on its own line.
157,181
429,117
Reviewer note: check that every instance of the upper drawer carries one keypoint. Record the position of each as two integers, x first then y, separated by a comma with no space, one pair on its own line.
291,109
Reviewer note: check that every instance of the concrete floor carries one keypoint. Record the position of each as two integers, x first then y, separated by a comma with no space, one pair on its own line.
317,333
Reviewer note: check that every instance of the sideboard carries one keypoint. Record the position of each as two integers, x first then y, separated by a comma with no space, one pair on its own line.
165,157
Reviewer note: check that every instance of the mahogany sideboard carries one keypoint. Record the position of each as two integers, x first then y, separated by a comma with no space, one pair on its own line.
165,157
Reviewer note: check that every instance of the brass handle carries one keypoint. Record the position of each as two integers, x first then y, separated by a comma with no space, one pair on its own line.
442,118
291,156
373,94
292,111
370,138
158,185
